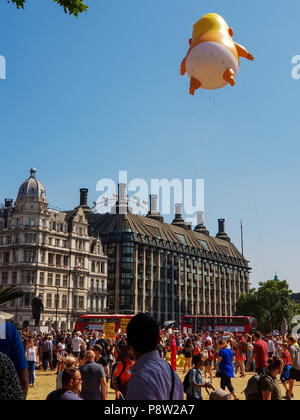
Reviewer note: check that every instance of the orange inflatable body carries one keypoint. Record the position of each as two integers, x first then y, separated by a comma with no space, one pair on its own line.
213,58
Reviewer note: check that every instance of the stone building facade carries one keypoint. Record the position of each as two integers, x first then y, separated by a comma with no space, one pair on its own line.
50,254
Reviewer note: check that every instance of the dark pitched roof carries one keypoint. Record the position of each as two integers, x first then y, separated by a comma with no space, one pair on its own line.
175,237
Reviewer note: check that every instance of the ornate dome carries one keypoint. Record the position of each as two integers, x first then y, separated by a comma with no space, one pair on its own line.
32,187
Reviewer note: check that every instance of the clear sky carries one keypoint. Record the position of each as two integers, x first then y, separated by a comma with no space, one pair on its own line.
86,98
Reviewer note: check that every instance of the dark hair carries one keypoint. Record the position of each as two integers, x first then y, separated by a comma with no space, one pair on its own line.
258,334
67,375
196,359
274,363
143,333
123,351
98,348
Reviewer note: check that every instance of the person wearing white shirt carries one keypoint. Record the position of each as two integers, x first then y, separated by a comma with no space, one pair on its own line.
76,345
31,355
271,346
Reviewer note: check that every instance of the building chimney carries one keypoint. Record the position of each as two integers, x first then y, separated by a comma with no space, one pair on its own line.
178,210
153,211
153,204
122,194
221,225
84,196
200,218
122,204
221,234
178,221
200,228
8,203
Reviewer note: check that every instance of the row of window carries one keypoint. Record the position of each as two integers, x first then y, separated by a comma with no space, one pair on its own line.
57,280
53,301
157,241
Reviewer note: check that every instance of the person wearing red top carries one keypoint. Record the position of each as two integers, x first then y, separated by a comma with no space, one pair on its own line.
287,364
173,353
260,354
122,371
240,354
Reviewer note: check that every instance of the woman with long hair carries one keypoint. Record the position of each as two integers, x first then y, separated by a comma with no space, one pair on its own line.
110,355
225,361
208,363
240,354
188,353
122,371
31,355
70,362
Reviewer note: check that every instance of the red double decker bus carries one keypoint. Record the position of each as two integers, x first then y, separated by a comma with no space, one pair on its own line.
191,324
96,322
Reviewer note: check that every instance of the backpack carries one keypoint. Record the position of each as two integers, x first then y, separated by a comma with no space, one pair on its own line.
186,382
220,395
252,391
117,385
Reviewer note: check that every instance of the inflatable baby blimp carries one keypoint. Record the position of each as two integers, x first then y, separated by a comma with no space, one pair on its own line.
213,58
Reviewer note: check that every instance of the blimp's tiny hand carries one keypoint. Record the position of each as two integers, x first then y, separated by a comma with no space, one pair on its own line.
183,68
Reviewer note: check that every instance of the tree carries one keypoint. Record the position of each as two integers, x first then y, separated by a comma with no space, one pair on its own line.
248,304
9,294
74,7
271,304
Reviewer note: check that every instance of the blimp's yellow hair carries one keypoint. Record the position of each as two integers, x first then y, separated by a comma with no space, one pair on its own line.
209,22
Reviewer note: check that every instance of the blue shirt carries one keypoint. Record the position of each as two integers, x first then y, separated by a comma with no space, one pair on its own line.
13,347
226,365
195,376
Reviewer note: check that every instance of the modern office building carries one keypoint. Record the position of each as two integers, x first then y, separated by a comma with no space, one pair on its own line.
168,270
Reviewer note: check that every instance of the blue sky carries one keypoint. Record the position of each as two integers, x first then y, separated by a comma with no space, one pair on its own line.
86,98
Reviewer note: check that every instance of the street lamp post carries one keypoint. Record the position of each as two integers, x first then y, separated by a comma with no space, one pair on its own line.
68,300
212,283
56,307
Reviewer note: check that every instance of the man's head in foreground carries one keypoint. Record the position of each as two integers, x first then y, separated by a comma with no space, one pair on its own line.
143,334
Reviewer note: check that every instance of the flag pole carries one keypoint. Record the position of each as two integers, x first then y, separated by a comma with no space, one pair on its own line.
242,238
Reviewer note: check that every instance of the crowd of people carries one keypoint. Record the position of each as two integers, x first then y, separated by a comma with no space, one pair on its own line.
134,366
